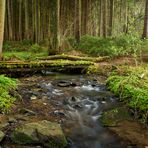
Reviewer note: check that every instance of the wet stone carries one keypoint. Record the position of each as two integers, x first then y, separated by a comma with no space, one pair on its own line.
111,118
12,120
33,98
78,106
49,134
73,99
59,113
64,83
27,112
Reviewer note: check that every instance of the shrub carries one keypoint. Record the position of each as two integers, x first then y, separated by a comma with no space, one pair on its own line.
36,48
120,46
26,42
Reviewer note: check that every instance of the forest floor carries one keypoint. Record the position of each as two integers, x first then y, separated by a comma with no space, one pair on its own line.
105,66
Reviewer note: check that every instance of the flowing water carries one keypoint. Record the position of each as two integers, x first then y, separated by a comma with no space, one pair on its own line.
80,101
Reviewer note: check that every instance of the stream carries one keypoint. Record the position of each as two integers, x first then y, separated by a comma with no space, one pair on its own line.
77,103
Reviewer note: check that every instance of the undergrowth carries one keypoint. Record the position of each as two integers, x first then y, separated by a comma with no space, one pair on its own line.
131,85
119,46
24,50
6,99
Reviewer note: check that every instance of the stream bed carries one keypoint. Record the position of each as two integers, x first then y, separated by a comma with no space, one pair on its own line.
76,102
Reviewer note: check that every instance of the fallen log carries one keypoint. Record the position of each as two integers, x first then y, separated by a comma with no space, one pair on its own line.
75,58
22,68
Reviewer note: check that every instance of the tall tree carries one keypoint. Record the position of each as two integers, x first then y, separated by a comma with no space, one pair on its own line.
145,30
111,17
105,18
54,26
26,19
2,19
77,20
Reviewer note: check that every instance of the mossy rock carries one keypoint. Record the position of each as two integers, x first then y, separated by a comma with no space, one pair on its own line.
112,117
47,133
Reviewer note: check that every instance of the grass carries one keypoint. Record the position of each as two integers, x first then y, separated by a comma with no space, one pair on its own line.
6,85
131,85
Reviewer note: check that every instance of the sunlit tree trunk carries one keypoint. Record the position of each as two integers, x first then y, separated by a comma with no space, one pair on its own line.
9,13
2,19
145,31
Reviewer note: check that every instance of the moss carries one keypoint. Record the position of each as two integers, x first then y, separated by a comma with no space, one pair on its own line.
99,69
74,58
114,116
21,138
55,65
6,99
47,133
130,84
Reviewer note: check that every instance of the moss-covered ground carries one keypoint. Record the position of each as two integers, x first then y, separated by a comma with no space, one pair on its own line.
131,85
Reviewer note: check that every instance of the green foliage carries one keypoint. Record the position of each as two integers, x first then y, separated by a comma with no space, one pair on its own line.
131,85
93,69
7,83
6,46
35,48
123,45
24,55
26,42
6,100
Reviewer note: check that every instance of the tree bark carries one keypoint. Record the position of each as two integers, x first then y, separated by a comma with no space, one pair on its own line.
111,17
26,20
105,18
10,30
2,19
145,30
54,27
77,20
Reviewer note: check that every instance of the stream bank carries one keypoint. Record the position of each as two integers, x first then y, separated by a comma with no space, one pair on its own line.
76,102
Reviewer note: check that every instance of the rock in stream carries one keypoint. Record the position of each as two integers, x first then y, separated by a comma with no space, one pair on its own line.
46,133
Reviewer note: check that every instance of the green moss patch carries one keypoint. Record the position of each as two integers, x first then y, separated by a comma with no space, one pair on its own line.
52,65
131,85
112,117
6,100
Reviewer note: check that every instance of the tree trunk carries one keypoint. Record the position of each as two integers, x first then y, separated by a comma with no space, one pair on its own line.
145,30
20,20
54,27
105,18
2,19
77,20
26,20
10,30
111,17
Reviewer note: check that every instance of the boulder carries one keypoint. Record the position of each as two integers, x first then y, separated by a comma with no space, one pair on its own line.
47,133
111,118
2,135
66,83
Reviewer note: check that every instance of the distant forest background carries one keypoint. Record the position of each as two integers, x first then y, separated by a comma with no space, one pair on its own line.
33,19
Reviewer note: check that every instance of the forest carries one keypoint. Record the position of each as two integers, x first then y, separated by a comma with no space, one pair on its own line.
73,73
